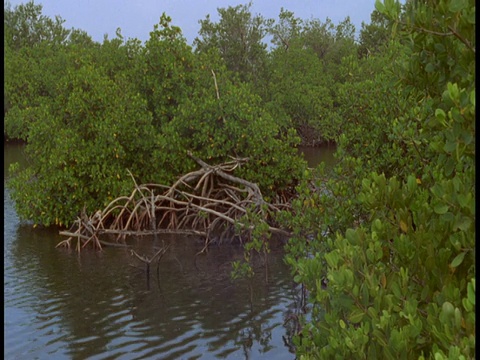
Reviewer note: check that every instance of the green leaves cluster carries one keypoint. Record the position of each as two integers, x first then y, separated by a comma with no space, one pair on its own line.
164,71
295,77
384,243
237,36
91,113
38,52
390,263
234,124
82,143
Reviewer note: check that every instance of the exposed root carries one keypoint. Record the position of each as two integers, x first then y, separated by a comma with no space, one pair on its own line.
207,202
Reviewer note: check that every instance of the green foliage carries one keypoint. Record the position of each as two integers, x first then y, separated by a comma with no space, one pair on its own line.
87,111
287,29
386,248
234,124
440,51
374,36
366,131
298,85
82,144
255,234
329,41
163,74
25,27
239,38
319,36
308,59
27,85
344,45
38,53
117,56
242,269
388,286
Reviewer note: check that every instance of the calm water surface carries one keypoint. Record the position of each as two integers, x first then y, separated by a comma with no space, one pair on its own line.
101,305
317,155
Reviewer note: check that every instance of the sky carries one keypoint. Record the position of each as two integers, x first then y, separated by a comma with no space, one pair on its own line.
136,18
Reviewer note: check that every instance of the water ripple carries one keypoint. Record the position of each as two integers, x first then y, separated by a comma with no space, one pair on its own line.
61,306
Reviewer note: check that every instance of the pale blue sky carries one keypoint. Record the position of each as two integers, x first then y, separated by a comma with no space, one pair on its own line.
137,17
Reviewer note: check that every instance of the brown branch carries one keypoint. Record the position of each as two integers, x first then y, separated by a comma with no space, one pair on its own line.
463,40
72,235
214,206
151,232
218,94
147,260
452,32
216,86
254,187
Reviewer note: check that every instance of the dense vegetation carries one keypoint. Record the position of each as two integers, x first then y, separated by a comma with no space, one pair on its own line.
384,243
387,249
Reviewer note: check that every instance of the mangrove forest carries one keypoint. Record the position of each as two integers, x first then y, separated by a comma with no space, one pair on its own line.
128,137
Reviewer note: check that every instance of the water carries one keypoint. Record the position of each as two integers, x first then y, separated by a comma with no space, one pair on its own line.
101,305
317,155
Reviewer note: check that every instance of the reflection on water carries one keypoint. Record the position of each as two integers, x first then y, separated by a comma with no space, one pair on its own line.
13,151
101,305
319,154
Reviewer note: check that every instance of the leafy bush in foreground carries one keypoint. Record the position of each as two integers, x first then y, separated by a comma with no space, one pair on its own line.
389,259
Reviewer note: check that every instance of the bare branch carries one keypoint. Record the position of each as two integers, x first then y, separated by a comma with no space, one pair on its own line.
204,202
